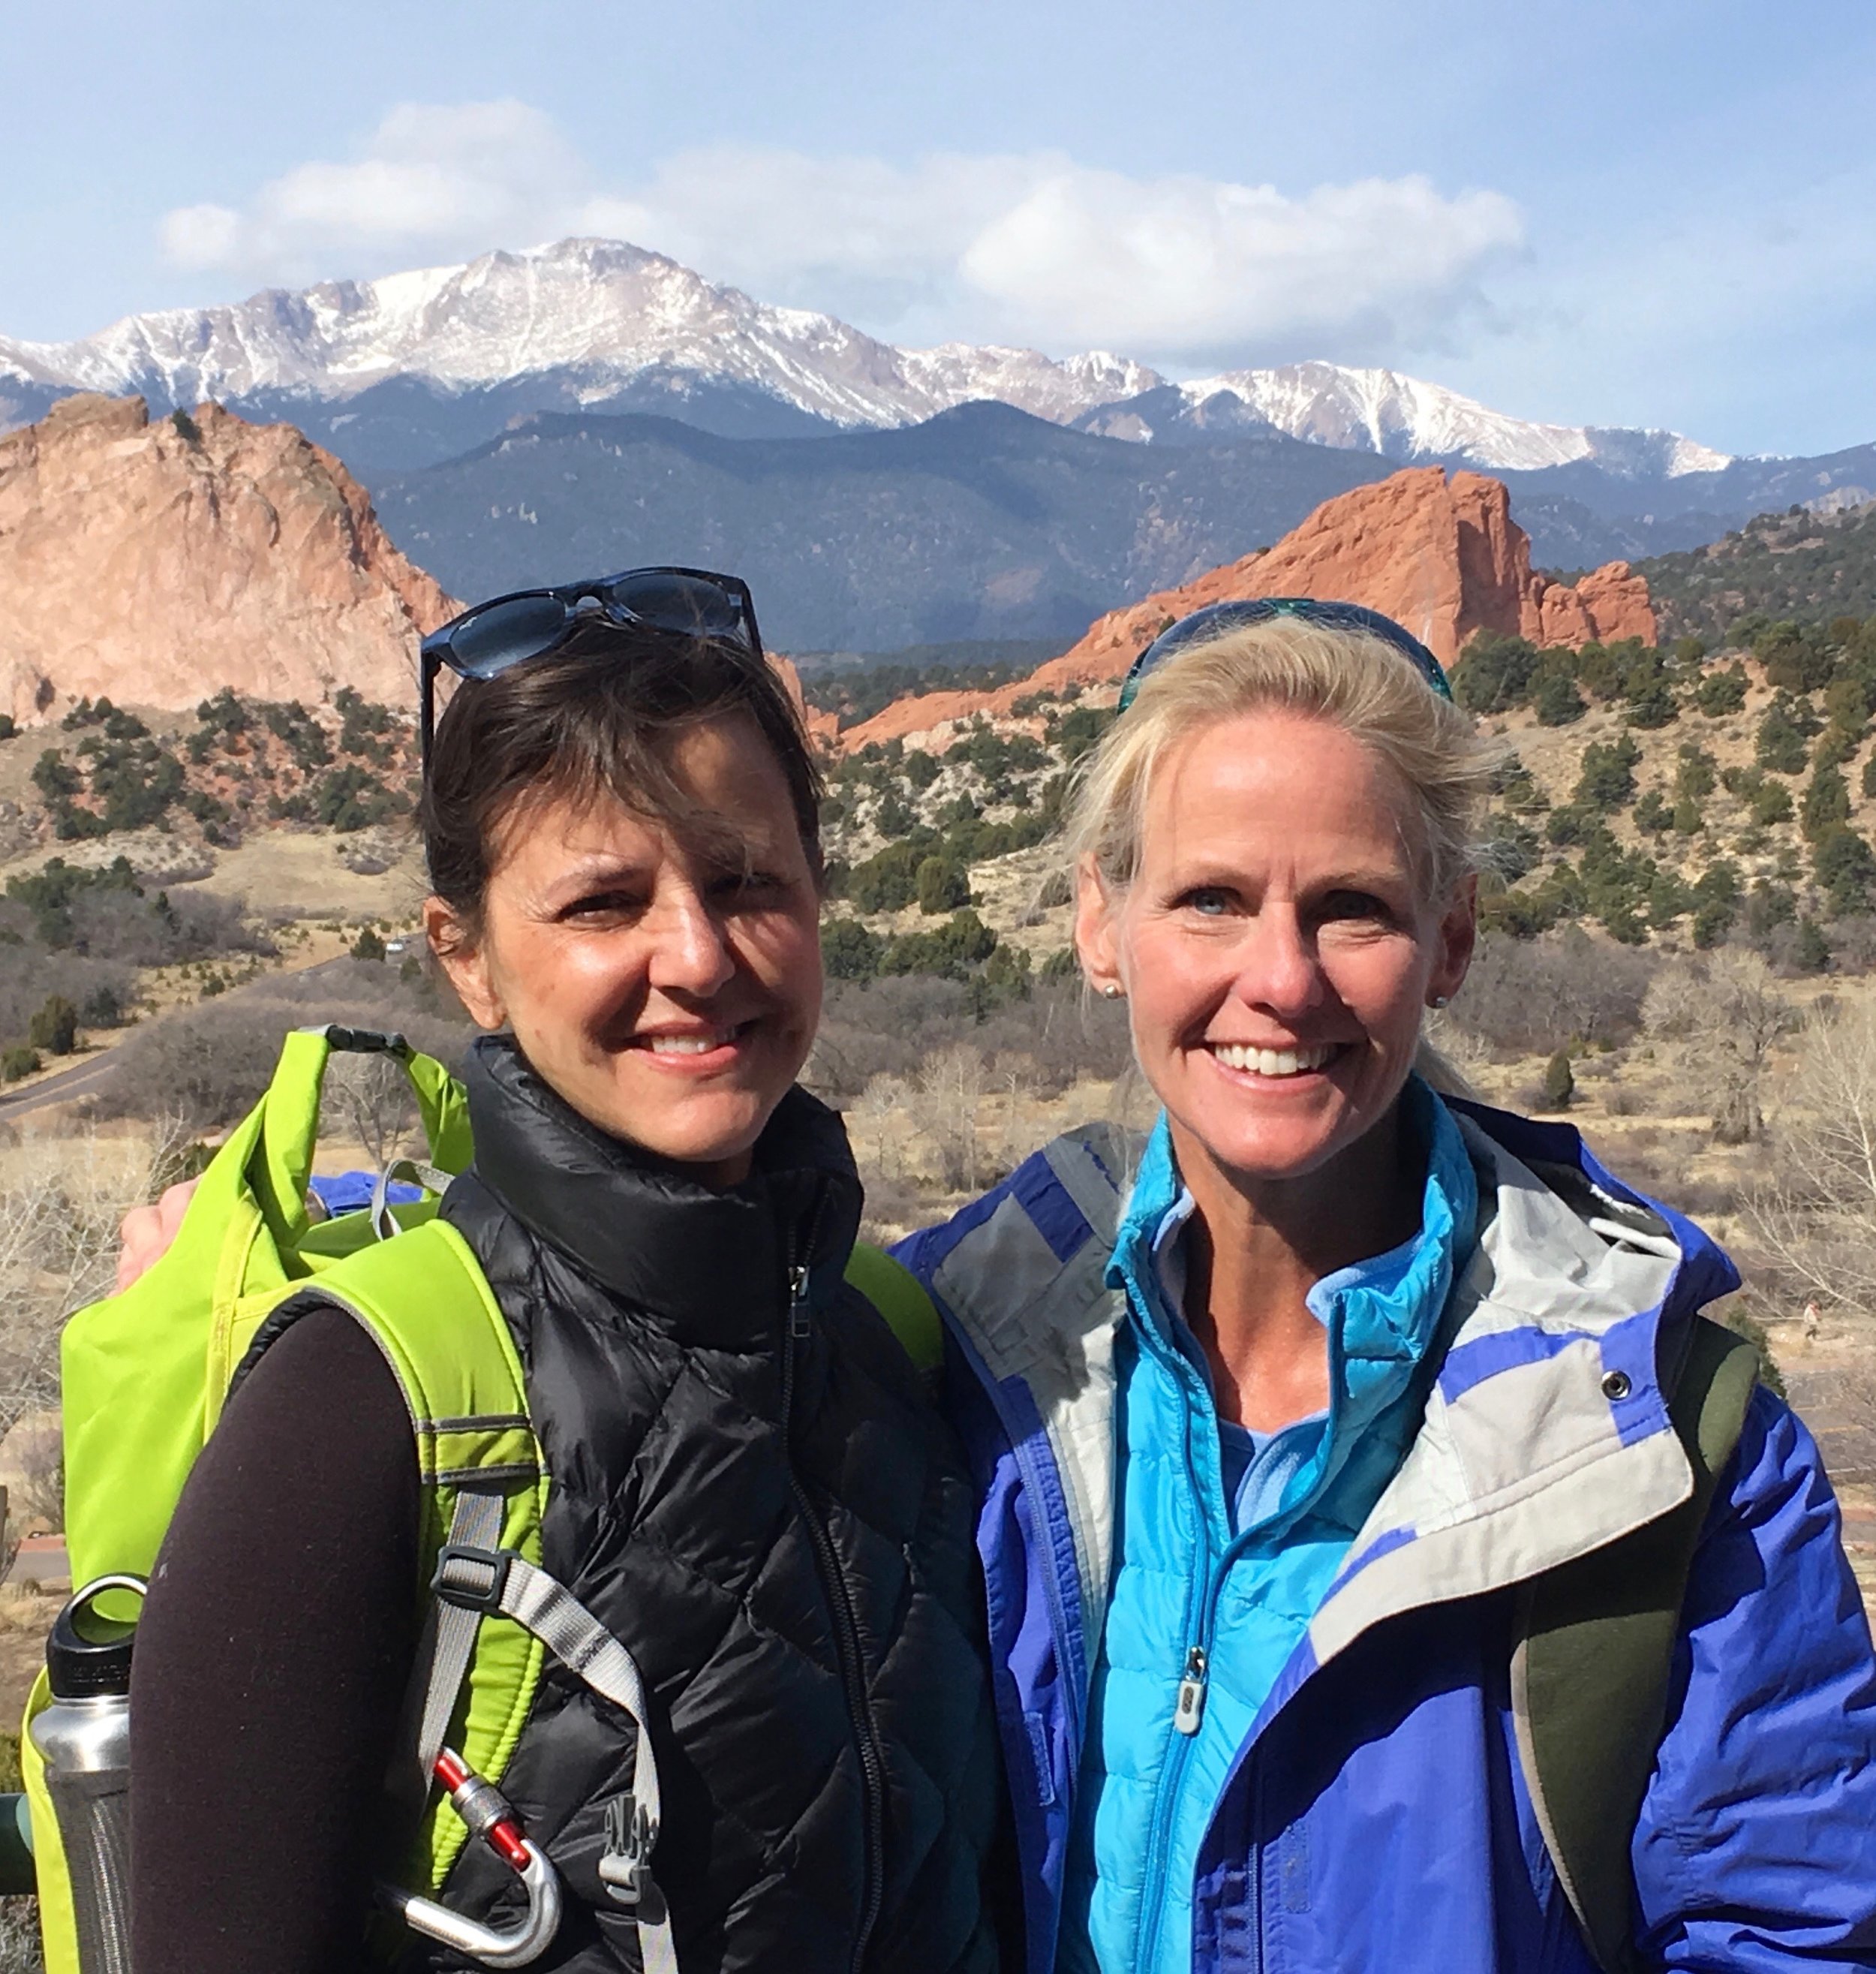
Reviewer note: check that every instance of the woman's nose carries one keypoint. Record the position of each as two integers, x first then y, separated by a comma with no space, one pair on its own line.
1277,965
690,951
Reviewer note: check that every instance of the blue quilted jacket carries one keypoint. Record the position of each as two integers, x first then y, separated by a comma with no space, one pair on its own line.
1374,1813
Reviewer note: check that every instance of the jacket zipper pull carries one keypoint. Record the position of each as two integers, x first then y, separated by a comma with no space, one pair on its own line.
798,1305
1190,1710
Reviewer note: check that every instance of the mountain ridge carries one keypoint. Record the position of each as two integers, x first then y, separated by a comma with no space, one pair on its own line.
591,323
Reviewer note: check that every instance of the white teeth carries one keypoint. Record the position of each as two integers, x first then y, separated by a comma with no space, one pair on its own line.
1270,1062
688,1044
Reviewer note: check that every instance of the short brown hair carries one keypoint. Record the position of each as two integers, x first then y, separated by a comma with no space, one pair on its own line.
597,717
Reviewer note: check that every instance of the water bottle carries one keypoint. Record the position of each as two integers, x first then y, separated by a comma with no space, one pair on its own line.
84,1736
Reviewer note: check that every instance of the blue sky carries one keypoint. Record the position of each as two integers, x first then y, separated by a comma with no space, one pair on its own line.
1662,214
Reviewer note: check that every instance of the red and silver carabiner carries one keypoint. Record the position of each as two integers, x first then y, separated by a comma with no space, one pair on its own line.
486,1811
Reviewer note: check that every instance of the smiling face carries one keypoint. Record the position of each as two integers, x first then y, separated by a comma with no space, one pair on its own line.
1276,947
668,989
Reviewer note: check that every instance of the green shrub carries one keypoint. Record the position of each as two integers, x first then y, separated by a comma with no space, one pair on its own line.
367,944
1772,804
940,885
1652,705
1495,673
1845,869
1810,954
54,1027
1558,703
1826,804
948,951
17,1061
888,881
1779,744
1606,780
1559,1085
1721,692
849,950
53,777
1652,816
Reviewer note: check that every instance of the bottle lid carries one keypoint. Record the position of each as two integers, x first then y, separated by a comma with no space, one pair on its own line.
88,1655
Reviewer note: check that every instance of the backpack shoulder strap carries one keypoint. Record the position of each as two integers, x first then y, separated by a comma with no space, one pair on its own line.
1593,1651
423,1298
900,1296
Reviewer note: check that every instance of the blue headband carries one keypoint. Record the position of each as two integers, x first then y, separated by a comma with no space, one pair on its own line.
1217,618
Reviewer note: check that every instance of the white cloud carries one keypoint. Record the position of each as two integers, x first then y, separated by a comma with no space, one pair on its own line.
433,181
1031,248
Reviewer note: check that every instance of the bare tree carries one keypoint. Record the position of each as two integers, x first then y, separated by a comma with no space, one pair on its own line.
1723,1015
944,1104
372,1095
1815,1214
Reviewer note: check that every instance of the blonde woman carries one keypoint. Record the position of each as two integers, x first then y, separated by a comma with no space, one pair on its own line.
1357,1601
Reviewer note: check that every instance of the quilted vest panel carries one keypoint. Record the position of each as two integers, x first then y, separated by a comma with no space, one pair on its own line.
780,1528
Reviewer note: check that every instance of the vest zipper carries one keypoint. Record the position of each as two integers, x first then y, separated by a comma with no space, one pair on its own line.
797,1327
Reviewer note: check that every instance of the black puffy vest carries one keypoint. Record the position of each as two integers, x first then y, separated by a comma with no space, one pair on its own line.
764,1505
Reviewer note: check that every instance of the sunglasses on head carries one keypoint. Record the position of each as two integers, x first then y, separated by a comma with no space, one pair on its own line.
1217,618
489,639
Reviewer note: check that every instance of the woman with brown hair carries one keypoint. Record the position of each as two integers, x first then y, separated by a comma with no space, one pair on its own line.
750,1489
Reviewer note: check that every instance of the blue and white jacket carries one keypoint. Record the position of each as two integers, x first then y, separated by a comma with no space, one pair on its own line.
1375,1813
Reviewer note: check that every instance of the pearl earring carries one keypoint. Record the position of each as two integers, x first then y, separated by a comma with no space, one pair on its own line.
1439,1000
1111,992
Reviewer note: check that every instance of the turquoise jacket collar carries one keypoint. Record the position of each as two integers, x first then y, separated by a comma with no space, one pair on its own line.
1382,1313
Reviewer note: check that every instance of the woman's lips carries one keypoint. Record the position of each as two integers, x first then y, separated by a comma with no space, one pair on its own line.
693,1048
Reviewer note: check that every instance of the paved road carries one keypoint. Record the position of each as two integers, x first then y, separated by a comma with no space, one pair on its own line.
87,1077
82,1079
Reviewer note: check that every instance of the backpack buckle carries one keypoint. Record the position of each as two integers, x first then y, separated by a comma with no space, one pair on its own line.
472,1579
625,1865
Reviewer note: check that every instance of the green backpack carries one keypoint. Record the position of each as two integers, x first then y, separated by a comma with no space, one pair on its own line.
146,1374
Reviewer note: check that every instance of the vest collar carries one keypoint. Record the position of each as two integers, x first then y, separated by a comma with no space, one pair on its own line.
713,1267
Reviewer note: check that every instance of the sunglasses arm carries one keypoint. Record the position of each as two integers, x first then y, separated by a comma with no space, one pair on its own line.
427,665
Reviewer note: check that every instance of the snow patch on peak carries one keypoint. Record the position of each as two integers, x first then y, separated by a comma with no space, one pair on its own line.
1407,418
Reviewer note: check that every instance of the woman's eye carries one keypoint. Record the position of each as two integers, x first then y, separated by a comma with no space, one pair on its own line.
603,905
1208,901
748,887
1354,905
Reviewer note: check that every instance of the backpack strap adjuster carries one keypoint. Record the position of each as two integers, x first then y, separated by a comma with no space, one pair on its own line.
473,1578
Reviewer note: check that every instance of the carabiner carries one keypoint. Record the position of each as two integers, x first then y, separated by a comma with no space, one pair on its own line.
485,1810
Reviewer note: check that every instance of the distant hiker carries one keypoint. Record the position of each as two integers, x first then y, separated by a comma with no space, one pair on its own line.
748,1484
1390,1568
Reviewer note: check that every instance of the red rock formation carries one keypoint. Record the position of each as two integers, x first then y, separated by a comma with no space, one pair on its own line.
1608,603
1440,556
148,565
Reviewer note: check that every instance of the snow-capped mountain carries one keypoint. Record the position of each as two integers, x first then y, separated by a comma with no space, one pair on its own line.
425,364
596,311
1398,417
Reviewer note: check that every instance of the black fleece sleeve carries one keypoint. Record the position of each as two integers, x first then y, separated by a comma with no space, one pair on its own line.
270,1667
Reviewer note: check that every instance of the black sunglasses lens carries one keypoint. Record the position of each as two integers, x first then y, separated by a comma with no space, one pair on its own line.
690,605
506,634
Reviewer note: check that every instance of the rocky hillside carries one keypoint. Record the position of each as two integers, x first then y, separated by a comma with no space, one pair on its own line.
1441,555
1801,566
152,563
